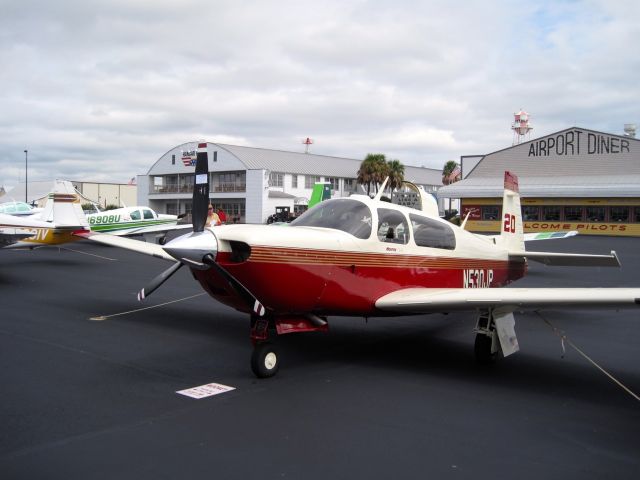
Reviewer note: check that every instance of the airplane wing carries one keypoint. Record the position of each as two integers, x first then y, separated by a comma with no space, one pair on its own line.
149,229
151,249
429,300
568,259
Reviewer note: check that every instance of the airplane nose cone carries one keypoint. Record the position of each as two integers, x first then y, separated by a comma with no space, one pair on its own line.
192,248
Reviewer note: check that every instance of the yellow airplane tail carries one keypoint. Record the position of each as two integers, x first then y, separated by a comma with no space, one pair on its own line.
511,229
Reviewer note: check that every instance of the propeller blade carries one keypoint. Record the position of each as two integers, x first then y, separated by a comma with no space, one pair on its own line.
157,281
200,200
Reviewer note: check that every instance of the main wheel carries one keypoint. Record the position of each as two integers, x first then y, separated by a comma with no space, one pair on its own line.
264,360
482,349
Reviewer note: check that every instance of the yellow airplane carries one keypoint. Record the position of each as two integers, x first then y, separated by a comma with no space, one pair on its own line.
61,216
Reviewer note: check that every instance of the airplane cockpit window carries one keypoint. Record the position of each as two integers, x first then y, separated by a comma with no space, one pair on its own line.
350,216
392,226
148,214
135,215
428,232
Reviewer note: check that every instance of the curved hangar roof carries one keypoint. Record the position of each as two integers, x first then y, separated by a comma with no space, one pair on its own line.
301,163
570,163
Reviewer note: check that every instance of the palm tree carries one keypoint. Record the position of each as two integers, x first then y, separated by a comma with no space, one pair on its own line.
373,170
447,170
395,170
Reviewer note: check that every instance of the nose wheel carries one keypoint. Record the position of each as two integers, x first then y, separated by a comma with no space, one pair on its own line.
265,360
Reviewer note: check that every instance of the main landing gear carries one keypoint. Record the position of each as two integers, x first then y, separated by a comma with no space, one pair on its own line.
265,359
495,336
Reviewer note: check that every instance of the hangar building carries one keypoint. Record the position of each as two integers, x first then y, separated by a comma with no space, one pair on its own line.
248,183
574,179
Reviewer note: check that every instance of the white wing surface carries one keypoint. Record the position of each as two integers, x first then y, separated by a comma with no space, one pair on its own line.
138,246
568,259
428,300
149,229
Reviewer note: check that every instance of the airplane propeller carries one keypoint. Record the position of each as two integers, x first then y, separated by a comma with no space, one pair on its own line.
191,256
157,281
200,201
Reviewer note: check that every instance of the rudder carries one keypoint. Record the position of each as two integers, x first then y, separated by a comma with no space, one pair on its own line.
511,230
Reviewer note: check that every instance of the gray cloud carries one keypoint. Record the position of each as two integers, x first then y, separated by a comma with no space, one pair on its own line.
99,90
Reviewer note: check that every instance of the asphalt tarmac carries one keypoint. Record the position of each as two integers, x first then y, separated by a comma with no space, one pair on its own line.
388,398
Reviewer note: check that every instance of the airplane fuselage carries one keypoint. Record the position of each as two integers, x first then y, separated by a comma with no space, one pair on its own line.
337,273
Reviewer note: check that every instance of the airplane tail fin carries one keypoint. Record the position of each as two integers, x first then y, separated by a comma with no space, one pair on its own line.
511,231
63,207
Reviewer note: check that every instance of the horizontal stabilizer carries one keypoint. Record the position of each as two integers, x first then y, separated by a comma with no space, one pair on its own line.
528,237
568,259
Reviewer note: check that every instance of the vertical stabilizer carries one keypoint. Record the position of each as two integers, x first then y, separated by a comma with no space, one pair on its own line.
511,229
63,207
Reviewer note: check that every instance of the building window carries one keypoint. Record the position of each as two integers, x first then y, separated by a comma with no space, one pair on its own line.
173,159
573,214
335,183
636,214
551,213
186,183
294,181
595,214
164,184
172,208
276,179
490,212
530,213
234,210
310,181
619,214
229,182
349,184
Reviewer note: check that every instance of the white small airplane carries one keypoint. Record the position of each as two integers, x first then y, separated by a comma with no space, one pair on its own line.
54,225
135,221
364,257
19,209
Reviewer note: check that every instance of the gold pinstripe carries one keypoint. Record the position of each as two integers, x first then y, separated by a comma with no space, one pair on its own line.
330,257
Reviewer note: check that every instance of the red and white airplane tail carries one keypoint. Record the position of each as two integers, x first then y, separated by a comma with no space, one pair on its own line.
512,230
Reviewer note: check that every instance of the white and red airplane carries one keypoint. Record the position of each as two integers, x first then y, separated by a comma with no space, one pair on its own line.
364,257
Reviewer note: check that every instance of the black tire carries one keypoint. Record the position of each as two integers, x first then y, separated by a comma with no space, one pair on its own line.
482,350
265,361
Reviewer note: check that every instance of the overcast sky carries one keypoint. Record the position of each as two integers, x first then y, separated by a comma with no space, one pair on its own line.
99,90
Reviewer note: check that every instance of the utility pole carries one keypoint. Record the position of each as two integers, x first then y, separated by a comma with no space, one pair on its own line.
26,178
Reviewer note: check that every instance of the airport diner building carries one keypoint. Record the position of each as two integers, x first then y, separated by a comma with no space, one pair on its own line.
249,183
574,179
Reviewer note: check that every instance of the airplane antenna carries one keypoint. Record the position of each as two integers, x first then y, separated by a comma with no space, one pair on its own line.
381,191
466,217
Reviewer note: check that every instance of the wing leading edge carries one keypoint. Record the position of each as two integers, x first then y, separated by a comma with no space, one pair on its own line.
429,300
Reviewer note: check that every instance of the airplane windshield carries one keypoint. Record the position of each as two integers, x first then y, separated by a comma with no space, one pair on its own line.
350,216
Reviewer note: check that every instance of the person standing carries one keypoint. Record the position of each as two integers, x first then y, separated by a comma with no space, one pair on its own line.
212,217
222,216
